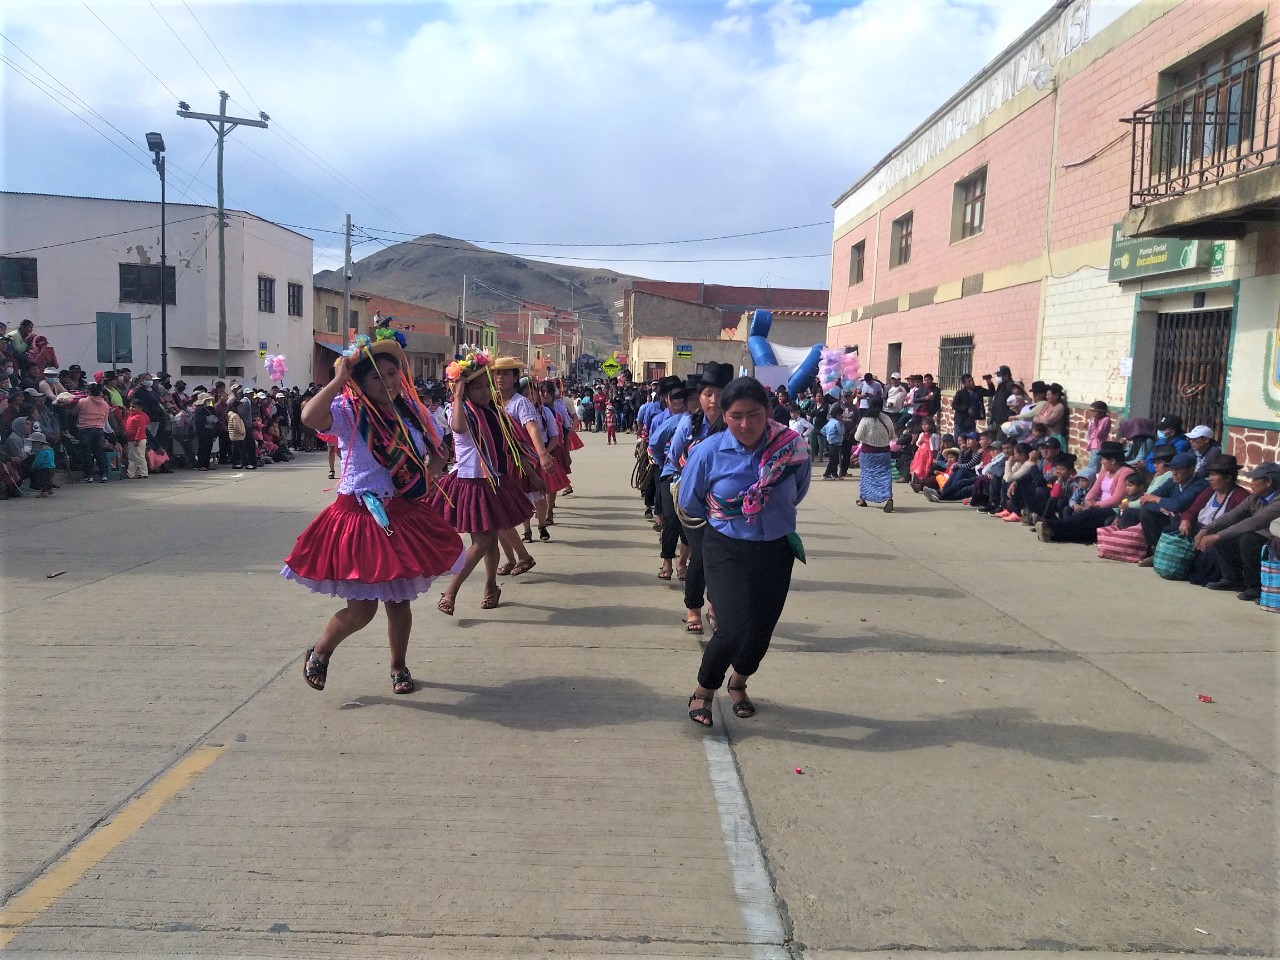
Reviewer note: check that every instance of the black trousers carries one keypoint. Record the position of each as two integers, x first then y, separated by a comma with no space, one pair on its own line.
650,491
1154,523
1082,526
205,449
747,581
672,534
846,451
695,581
1240,560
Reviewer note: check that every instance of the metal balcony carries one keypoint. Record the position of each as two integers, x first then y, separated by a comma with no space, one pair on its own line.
1209,132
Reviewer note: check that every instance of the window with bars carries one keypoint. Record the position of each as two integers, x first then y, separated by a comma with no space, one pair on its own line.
857,262
955,358
900,240
140,283
18,278
266,295
969,212
295,299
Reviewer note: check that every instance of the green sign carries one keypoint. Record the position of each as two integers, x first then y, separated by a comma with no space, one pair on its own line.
611,367
1135,258
115,338
684,351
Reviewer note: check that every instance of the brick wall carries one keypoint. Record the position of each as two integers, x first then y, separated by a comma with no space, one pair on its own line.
1252,445
1087,330
654,316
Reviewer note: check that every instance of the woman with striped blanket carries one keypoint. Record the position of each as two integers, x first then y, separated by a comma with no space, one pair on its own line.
745,480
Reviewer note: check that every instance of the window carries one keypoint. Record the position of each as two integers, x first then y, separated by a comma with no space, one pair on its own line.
955,357
900,241
140,283
857,259
1210,105
295,299
187,371
18,277
969,208
894,359
331,320
266,295
354,319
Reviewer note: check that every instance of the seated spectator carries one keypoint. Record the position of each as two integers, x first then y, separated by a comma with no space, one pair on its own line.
1140,436
1162,511
1160,456
1099,508
1204,447
1022,477
1054,415
1080,490
1170,432
1239,535
985,497
1222,495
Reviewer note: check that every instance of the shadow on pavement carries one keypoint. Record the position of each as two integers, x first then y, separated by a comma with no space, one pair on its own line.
789,639
598,617
801,585
583,702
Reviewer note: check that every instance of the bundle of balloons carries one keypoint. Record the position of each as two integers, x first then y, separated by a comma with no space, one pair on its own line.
276,368
837,370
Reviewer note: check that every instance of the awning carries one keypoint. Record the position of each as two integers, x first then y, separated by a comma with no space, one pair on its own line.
336,348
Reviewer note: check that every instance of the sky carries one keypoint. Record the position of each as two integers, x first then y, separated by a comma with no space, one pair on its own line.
597,131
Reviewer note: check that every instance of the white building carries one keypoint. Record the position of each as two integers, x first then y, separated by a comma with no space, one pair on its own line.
64,260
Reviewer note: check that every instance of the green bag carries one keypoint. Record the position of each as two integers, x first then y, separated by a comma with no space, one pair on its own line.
1174,556
796,545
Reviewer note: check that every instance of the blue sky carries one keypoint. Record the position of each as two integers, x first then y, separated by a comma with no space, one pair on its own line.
567,122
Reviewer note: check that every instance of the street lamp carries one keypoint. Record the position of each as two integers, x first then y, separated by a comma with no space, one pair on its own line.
155,143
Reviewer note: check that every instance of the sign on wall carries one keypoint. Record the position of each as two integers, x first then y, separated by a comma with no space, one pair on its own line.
684,351
115,338
1135,258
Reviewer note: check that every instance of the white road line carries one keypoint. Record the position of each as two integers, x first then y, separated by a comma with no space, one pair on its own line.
761,917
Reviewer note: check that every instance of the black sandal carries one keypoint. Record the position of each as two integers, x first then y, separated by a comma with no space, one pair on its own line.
314,670
544,534
527,536
402,678
744,708
702,715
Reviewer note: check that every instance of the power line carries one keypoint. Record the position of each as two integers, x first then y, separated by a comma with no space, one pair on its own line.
103,236
637,243
219,52
131,53
187,189
178,37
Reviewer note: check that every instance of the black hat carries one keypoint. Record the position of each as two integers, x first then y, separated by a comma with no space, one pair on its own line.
1163,451
716,375
667,384
1112,450
1224,463
1067,460
1039,386
693,383
1171,422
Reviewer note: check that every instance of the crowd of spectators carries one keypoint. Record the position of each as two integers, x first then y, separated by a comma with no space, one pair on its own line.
115,424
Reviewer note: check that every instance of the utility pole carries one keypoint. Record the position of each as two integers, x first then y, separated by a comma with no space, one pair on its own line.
462,310
222,125
528,350
346,285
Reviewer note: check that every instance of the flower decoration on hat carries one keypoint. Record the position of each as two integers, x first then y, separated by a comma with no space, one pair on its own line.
358,344
469,366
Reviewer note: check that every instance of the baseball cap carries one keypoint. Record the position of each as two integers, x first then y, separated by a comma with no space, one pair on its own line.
37,437
1200,432
31,392
1182,461
895,376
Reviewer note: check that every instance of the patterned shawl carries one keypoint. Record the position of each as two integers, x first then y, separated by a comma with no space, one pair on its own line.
386,434
783,451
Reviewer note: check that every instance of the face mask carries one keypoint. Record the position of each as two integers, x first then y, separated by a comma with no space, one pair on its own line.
999,379
1166,434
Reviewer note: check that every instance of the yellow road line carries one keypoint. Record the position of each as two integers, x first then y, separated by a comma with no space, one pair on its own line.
46,890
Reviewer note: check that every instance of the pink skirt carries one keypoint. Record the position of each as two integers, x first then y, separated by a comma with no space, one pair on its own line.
474,505
345,553
574,442
557,479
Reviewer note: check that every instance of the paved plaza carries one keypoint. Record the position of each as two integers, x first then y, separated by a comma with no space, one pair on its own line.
967,741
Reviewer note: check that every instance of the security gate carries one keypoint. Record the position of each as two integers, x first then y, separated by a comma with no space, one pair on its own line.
1190,374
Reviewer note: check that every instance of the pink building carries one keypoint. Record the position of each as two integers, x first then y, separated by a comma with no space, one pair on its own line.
1098,207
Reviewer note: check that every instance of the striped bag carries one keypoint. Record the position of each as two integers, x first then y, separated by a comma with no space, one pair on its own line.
1174,556
1126,545
1270,599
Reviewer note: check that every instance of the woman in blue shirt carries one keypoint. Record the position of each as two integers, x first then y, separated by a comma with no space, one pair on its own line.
659,445
691,431
745,481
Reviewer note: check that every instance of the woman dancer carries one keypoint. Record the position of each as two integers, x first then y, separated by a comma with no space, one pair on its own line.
692,431
553,435
569,427
379,541
482,495
659,447
875,477
746,481
535,460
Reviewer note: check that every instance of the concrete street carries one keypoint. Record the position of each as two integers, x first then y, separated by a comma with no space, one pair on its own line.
1001,743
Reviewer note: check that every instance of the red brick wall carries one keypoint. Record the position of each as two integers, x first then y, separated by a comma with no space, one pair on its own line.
1252,445
1003,324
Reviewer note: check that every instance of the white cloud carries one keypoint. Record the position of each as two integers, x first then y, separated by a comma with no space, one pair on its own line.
579,121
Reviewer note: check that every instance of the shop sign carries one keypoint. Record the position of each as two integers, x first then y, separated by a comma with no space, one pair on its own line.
1138,257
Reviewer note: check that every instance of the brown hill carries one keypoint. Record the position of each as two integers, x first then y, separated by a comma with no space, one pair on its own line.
429,270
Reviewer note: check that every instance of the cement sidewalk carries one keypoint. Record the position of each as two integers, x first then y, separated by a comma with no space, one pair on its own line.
1000,741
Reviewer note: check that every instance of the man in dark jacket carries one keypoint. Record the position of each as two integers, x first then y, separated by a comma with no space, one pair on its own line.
1162,511
967,406
1239,535
999,394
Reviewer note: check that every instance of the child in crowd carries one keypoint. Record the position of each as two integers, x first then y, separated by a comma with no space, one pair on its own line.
1161,476
1084,480
800,423
135,434
610,425
42,464
1135,485
1098,430
833,433
1060,490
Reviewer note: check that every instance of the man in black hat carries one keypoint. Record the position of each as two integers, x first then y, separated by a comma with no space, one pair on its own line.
1169,431
999,393
650,428
1239,535
659,446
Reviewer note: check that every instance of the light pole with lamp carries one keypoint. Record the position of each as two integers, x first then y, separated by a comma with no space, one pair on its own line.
155,143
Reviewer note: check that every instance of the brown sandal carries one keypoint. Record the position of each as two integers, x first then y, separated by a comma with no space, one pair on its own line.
491,599
506,568
524,566
445,605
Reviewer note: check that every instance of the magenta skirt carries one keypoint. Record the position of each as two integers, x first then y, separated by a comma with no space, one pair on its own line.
345,553
474,505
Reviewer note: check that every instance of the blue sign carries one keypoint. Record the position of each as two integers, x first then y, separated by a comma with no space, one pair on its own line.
684,351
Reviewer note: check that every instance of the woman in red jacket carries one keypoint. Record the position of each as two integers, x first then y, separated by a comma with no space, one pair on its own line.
1222,496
